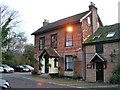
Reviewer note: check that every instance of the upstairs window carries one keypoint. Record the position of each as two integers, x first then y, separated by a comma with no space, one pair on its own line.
88,20
42,43
69,40
69,63
54,41
98,24
99,48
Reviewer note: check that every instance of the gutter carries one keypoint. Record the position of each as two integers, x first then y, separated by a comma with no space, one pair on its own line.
108,41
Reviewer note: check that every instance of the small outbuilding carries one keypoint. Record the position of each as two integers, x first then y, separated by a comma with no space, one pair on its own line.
102,53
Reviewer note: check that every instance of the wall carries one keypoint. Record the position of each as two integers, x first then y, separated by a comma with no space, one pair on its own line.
52,69
76,49
108,48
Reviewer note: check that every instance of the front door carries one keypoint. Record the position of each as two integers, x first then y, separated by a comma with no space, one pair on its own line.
46,62
99,71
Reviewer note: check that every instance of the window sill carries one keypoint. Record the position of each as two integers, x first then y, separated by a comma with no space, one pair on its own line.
68,70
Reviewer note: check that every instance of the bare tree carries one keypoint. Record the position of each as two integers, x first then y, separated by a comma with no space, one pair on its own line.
8,20
6,13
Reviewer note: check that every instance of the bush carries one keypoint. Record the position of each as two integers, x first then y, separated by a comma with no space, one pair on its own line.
75,77
34,72
115,75
60,75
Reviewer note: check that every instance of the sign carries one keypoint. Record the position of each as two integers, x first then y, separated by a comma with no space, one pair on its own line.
89,66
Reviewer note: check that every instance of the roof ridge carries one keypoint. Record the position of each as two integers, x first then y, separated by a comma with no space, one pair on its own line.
61,22
71,16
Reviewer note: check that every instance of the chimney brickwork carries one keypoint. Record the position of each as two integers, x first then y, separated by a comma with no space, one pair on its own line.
94,20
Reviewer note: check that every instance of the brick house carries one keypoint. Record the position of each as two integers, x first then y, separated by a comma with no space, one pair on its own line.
102,53
58,45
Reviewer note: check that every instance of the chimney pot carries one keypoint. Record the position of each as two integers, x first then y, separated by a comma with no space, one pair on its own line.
45,22
92,6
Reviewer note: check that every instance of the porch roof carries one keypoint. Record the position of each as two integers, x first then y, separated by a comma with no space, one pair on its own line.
100,56
51,52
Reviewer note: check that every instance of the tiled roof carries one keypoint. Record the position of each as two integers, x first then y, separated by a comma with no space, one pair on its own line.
60,23
50,51
101,34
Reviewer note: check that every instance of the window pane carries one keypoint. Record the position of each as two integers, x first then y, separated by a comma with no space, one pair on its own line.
41,43
99,48
68,39
70,43
69,64
54,41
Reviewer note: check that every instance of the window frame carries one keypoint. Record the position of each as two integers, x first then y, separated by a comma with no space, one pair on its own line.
69,40
43,43
55,63
54,41
89,21
69,62
110,34
99,48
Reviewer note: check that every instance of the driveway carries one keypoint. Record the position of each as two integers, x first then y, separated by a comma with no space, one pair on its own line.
26,80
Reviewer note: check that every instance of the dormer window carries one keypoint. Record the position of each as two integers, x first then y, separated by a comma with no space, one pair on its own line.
111,34
98,24
88,20
96,37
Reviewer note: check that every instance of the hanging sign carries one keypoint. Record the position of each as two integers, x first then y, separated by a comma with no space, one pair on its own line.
89,66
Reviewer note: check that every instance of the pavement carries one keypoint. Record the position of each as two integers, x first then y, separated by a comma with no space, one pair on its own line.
73,83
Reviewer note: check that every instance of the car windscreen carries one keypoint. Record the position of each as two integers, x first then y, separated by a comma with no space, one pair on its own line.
29,66
6,66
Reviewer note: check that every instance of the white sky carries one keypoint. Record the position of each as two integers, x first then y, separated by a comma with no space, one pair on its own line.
33,12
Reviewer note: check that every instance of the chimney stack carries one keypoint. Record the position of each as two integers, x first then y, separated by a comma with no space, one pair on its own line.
94,21
45,22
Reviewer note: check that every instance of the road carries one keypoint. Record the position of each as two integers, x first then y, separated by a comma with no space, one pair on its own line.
19,80
23,80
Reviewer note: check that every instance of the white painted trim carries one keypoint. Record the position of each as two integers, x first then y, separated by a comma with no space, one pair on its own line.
97,55
56,52
85,16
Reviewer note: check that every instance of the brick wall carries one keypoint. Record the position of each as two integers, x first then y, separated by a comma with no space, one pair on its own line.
77,67
76,49
108,47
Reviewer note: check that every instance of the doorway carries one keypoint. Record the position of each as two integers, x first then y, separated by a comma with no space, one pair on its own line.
46,62
99,71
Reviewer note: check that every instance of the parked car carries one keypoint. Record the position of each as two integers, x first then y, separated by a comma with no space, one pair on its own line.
28,67
20,68
4,84
7,68
1,69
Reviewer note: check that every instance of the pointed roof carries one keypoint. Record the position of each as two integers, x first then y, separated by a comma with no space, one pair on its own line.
60,23
50,51
96,56
105,34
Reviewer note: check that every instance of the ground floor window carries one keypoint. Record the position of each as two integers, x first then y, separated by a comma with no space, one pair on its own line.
68,63
55,63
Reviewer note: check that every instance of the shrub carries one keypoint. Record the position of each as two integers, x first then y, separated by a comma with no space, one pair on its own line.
60,75
115,75
34,72
75,77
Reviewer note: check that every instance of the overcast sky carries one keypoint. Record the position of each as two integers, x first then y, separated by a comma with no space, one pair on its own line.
33,12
